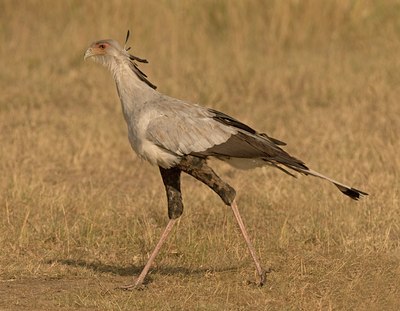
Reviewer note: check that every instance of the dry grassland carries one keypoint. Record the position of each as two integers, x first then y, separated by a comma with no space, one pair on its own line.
79,213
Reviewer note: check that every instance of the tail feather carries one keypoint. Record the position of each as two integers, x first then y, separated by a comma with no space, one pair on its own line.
351,192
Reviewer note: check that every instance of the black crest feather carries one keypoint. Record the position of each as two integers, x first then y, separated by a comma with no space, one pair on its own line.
141,75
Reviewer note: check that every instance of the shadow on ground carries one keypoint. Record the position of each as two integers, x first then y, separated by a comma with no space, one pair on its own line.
133,270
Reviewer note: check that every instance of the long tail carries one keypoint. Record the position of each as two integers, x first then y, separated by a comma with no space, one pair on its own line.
351,192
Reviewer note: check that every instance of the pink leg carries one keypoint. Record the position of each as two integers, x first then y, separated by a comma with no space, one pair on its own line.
140,279
260,271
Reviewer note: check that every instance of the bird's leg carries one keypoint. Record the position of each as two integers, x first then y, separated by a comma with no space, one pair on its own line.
171,179
139,281
172,182
261,272
199,169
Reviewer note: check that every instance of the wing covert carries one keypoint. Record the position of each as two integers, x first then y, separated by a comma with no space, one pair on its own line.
183,133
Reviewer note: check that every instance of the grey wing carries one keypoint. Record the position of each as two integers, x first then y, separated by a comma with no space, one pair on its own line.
184,129
187,130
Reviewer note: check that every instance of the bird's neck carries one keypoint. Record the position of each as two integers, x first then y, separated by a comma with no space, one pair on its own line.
132,92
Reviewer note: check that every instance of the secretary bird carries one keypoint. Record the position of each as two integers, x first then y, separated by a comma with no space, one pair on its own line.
178,136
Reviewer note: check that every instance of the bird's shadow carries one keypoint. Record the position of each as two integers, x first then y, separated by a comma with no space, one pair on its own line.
133,270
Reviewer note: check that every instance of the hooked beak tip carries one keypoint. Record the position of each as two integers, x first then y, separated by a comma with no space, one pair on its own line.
88,53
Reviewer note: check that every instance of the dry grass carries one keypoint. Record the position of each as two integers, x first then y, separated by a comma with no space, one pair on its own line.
79,213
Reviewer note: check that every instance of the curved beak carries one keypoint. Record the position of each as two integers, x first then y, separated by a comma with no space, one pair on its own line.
88,53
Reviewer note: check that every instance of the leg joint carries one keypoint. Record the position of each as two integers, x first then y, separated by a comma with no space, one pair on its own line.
198,168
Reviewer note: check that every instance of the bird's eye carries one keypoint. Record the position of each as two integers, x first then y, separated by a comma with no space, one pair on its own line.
102,46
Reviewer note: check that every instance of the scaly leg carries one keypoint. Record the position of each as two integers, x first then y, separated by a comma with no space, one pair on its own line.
260,271
140,279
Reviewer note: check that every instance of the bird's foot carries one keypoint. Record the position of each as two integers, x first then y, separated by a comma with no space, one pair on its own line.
261,278
129,287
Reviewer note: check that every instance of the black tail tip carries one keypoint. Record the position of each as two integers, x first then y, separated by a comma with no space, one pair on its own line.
353,193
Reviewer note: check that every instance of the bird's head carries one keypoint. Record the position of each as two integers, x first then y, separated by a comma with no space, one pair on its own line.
105,52
109,53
